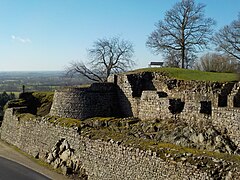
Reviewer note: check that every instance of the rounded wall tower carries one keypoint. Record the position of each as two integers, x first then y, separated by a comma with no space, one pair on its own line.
98,100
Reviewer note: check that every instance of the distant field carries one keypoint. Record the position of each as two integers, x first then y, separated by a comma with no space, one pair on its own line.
37,81
186,74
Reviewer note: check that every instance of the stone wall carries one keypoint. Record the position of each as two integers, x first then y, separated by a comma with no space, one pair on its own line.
95,101
96,159
154,96
227,121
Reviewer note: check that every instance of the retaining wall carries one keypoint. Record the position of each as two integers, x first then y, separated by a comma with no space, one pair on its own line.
99,159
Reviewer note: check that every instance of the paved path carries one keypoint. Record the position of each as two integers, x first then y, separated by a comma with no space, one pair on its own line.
7,152
10,170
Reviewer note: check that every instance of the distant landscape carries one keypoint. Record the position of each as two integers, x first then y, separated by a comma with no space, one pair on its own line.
12,82
36,81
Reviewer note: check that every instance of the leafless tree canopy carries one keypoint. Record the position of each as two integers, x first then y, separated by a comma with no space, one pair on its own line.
173,59
228,39
213,62
107,56
184,30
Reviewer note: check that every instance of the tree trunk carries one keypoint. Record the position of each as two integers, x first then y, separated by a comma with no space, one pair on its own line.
183,56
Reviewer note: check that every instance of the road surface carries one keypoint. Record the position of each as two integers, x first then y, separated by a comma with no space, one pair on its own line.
13,163
10,170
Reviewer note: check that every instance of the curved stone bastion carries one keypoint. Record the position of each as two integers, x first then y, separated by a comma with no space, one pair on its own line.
97,100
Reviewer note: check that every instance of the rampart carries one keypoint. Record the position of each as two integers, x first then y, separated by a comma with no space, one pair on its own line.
99,99
151,96
95,159
147,96
154,96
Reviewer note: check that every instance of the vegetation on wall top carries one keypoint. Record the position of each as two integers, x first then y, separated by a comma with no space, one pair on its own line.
37,103
187,74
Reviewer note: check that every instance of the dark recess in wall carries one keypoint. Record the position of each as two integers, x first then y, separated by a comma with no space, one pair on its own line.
140,83
236,99
222,100
206,107
176,106
162,94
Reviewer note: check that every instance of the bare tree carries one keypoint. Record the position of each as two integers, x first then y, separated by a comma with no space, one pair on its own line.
173,59
184,30
106,57
228,39
213,62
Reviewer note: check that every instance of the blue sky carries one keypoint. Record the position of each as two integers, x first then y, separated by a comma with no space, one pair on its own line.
49,34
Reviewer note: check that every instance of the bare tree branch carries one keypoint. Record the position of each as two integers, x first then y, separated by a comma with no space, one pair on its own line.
213,62
184,30
106,57
228,39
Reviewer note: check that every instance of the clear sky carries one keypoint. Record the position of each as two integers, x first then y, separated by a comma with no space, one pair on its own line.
49,34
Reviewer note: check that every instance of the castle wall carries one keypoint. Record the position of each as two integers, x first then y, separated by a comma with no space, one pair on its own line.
200,101
141,96
152,106
99,159
127,104
227,121
95,101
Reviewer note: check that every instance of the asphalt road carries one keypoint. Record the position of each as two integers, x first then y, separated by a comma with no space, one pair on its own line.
16,166
10,170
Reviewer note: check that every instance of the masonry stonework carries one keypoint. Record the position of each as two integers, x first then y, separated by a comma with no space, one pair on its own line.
100,99
97,159
147,96
154,96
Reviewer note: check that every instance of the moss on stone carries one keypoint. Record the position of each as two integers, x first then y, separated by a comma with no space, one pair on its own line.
126,131
38,103
166,151
45,100
68,122
26,117
64,122
15,103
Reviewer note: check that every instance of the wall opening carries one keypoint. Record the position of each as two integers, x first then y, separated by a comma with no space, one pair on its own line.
115,79
236,100
162,94
176,106
171,84
206,107
140,83
222,100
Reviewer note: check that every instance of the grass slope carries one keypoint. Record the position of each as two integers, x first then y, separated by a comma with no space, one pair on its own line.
187,74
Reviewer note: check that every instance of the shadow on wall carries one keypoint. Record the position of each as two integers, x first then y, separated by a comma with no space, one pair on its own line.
125,109
223,96
236,100
140,83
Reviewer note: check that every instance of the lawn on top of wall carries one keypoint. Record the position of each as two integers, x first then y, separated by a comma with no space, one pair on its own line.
187,74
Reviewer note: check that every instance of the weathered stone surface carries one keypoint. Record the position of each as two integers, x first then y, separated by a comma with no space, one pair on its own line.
147,96
96,159
65,155
152,97
96,100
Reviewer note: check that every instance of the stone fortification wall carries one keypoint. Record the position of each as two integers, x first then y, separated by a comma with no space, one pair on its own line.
95,101
227,121
154,96
95,159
